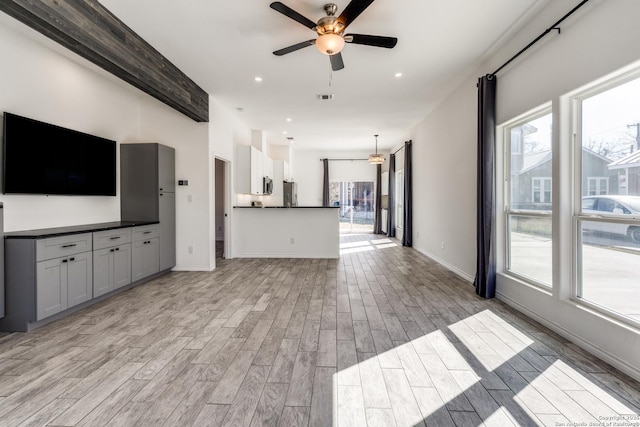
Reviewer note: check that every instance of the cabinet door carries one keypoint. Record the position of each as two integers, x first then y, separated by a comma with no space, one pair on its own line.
137,272
102,271
51,287
79,278
150,257
167,231
121,266
257,171
166,168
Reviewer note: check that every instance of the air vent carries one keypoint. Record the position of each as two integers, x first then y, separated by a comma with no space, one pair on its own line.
325,97
290,138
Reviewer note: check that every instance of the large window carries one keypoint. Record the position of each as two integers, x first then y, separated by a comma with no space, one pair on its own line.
529,204
607,216
399,199
356,200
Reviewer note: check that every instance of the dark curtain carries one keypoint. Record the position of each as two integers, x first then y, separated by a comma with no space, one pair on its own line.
377,220
391,222
408,198
325,183
485,281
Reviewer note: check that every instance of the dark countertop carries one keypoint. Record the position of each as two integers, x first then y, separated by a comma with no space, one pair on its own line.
286,207
75,229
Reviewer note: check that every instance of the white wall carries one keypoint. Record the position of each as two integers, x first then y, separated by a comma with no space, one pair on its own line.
39,83
309,173
225,131
444,177
43,81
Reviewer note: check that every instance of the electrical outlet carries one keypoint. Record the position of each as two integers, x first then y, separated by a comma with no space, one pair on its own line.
442,245
292,240
189,198
190,249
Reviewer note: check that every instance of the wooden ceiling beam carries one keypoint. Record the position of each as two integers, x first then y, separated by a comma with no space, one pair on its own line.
87,28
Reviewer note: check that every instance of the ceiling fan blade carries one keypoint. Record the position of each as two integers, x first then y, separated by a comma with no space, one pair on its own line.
294,47
287,11
369,40
353,10
336,62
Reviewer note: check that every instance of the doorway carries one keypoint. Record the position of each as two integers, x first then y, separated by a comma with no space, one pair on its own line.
356,200
221,206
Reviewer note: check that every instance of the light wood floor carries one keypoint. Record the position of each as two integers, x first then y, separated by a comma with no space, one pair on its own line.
381,337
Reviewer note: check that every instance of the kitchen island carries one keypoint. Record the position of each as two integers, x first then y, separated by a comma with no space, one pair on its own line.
286,232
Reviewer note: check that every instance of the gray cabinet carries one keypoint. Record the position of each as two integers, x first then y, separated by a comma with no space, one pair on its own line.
62,281
147,192
111,260
50,271
167,238
145,252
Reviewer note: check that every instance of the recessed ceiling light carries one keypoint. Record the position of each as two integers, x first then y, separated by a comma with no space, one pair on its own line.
288,119
398,75
284,133
258,79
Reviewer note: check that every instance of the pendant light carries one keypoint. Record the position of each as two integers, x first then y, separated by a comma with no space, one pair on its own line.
376,159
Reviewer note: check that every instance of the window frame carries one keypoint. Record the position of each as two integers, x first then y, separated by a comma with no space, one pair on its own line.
509,213
399,199
576,98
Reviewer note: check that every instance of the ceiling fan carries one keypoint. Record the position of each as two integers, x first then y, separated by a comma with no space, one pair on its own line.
330,30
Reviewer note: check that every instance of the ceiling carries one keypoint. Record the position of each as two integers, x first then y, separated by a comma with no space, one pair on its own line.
223,45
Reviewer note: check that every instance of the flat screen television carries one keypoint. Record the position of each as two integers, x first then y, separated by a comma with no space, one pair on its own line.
40,158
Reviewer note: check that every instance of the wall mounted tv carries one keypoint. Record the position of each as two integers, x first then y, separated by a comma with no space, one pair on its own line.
40,158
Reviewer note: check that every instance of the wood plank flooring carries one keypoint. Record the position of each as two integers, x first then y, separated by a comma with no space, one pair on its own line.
381,337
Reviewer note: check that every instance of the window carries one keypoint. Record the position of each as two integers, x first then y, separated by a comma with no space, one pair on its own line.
598,185
607,246
528,196
399,199
541,190
356,200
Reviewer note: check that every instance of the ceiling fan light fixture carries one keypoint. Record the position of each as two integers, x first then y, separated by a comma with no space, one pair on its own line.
330,44
377,158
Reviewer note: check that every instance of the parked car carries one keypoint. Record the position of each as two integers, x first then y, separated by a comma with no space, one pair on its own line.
612,205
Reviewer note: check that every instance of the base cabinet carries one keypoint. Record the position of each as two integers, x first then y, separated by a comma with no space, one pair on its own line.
52,270
112,269
62,283
145,256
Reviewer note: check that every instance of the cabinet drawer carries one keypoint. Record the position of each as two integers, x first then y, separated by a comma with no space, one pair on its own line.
144,232
56,247
108,238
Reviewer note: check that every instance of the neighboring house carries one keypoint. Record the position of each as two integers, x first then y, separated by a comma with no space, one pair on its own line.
628,170
534,187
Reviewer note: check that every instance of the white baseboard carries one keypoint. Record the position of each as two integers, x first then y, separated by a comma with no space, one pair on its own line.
576,339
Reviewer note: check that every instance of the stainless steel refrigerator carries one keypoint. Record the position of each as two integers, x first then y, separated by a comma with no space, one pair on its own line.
290,193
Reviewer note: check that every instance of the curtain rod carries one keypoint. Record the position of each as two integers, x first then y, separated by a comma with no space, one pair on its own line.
537,39
342,160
